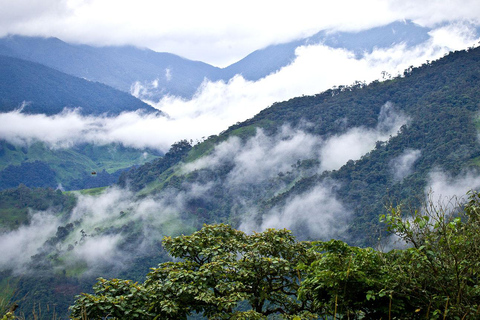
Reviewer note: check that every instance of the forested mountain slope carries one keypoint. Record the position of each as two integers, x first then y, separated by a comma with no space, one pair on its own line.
294,156
323,166
78,167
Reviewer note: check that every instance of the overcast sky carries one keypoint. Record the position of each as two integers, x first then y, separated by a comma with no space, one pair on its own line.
214,31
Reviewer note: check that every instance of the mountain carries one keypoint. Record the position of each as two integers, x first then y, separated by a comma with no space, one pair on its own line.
78,167
118,67
37,89
151,75
324,166
48,91
265,61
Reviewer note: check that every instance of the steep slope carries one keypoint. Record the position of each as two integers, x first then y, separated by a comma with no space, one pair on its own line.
326,165
49,91
322,165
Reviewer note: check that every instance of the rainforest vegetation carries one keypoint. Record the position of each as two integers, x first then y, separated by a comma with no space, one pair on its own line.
223,273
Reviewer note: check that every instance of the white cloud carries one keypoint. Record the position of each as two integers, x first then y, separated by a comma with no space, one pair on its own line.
356,142
261,157
102,219
316,214
443,186
18,246
217,105
213,31
99,251
432,12
402,165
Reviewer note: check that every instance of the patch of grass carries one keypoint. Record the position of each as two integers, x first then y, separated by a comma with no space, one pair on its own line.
90,192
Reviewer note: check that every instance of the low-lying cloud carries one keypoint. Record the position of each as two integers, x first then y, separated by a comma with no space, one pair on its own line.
356,142
18,246
402,166
316,214
217,105
273,160
107,231
444,186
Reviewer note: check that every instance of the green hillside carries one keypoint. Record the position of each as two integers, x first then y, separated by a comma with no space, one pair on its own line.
438,102
39,165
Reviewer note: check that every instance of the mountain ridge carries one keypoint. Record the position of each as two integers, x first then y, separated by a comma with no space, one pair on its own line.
160,74
48,91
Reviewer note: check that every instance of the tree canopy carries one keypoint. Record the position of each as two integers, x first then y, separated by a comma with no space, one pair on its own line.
223,273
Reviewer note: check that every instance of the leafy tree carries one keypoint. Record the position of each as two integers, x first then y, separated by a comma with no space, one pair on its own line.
441,272
347,282
223,274
436,278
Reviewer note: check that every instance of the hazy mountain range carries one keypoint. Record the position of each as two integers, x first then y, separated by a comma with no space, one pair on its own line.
168,74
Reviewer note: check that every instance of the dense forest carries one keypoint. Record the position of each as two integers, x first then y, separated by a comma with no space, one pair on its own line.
226,274
438,102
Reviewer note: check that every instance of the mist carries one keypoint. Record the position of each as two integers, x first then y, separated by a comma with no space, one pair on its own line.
443,186
254,163
218,105
105,232
402,166
18,246
275,163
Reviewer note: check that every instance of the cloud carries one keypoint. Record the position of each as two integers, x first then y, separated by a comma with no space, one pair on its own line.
402,166
357,141
109,230
316,214
261,157
444,186
99,251
132,129
217,105
18,246
213,31
432,12
444,194
272,163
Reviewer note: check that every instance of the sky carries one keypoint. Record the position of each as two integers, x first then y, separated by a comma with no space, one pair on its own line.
214,31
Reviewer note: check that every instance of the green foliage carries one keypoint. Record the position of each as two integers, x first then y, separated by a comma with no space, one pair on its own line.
442,269
38,165
138,178
16,203
223,273
8,316
220,268
344,279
